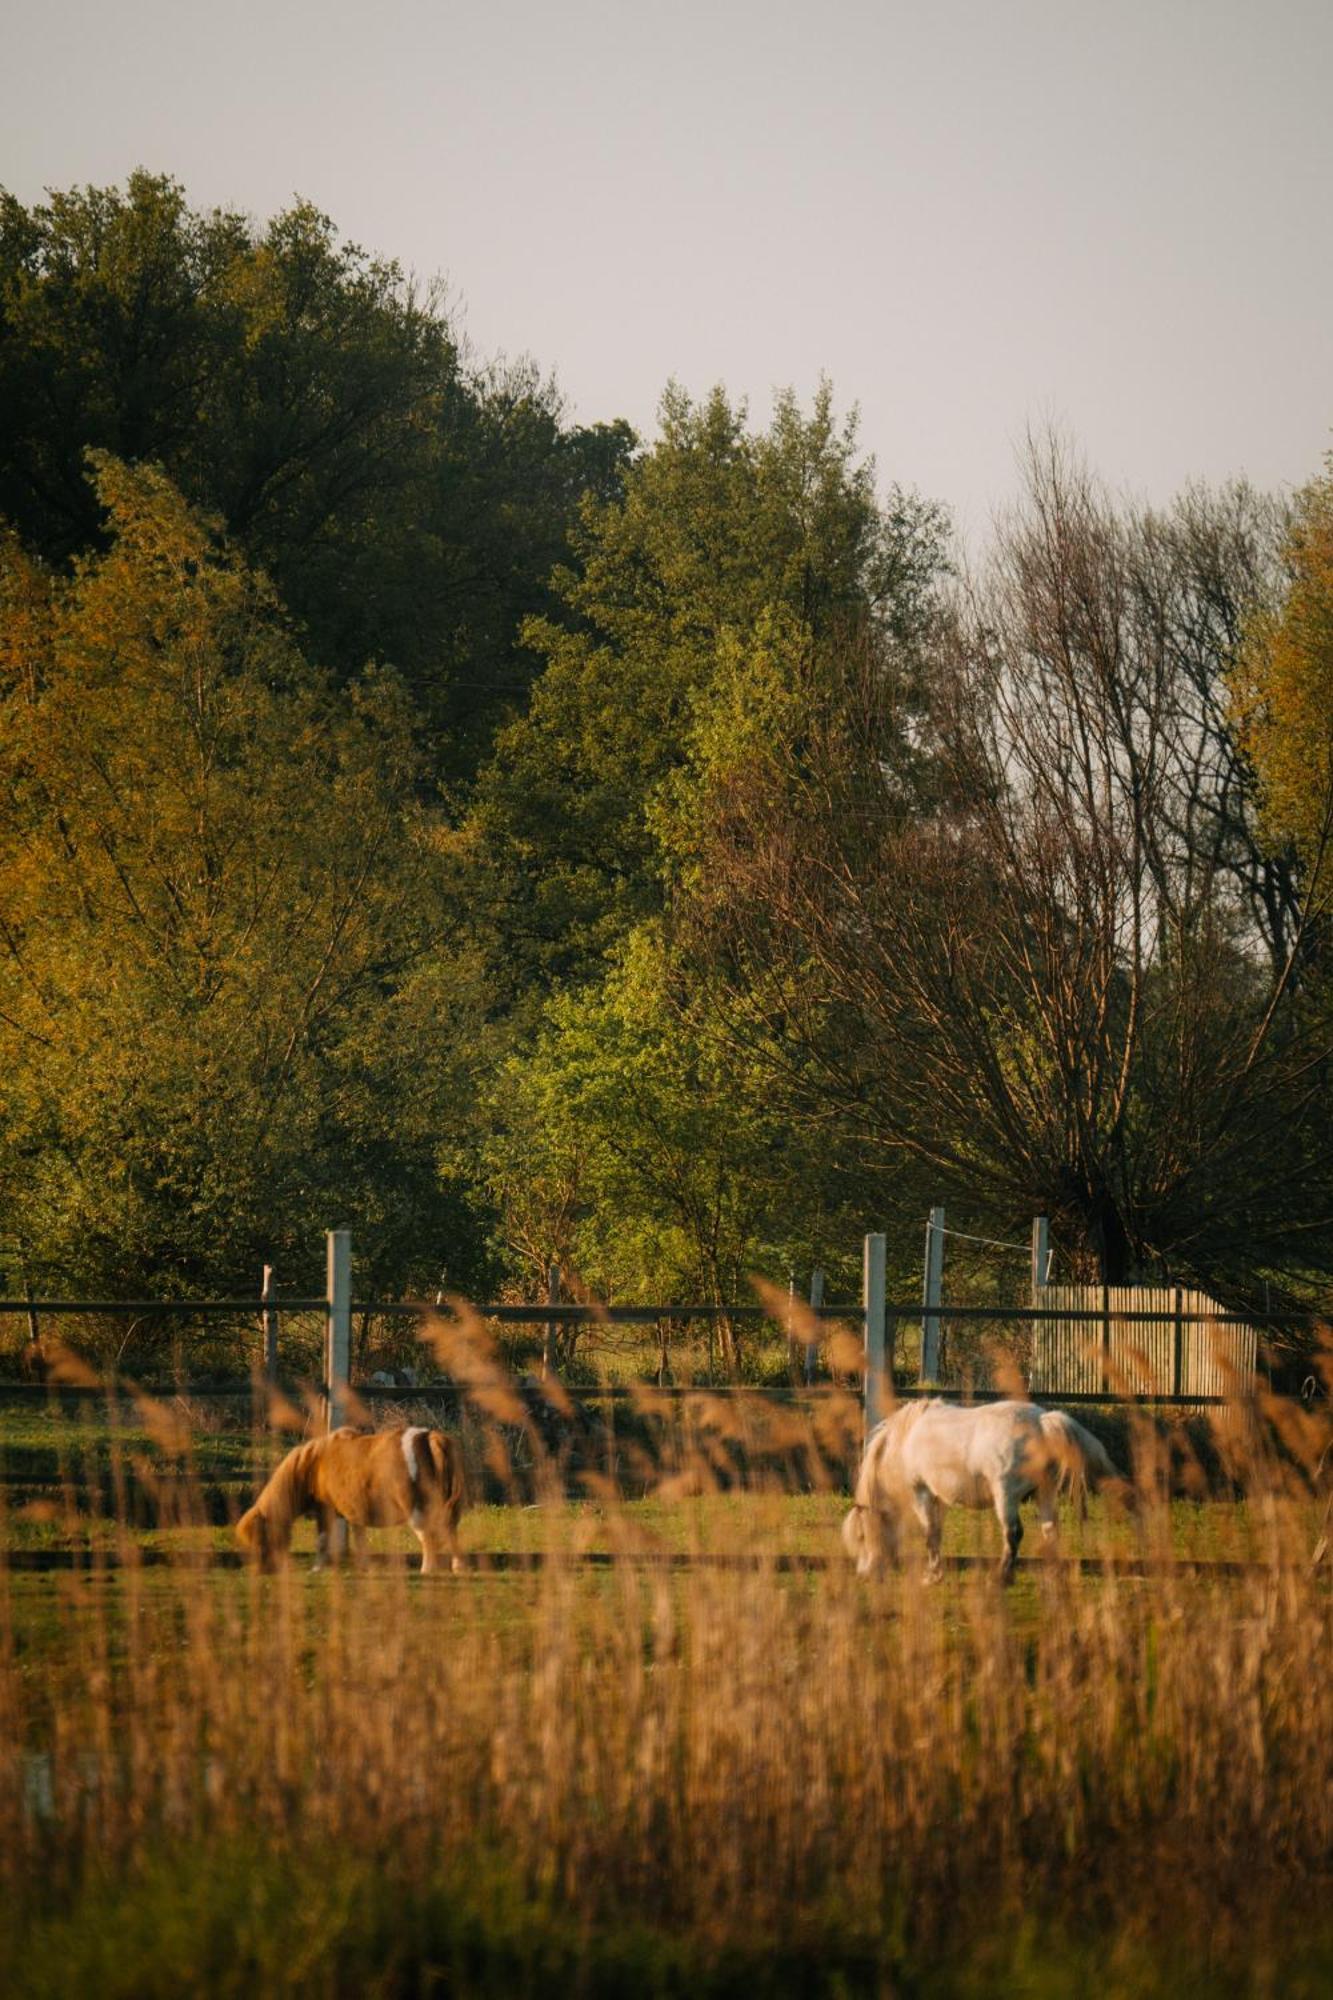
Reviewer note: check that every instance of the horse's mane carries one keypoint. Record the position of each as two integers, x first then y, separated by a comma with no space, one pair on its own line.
904,1417
885,1443
268,1523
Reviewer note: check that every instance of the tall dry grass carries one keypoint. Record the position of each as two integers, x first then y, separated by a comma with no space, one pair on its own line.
757,1758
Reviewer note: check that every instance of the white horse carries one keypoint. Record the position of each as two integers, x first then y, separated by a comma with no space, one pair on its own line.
932,1455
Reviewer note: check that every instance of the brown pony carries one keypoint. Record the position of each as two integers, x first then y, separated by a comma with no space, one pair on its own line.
370,1479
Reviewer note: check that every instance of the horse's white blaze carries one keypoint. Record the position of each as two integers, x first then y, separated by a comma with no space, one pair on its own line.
410,1436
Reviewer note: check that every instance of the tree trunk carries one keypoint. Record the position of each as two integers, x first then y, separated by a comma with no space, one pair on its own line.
1109,1240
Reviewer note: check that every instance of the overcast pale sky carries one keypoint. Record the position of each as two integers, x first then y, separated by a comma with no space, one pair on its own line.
973,215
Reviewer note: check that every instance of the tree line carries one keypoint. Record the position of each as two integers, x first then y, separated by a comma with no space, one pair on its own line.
527,843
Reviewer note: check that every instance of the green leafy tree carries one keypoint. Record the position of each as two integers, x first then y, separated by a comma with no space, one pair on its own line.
718,528
220,911
700,625
1283,689
407,505
628,1143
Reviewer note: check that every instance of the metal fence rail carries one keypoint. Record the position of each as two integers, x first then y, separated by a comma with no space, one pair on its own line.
1082,1344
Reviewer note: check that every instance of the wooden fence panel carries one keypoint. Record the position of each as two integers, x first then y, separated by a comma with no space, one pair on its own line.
1180,1351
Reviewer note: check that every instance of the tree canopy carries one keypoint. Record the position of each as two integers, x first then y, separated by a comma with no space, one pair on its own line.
1283,686
420,810
217,905
720,531
407,505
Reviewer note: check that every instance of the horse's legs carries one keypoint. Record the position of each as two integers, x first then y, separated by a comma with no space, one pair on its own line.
930,1514
1006,1506
436,1529
447,1535
330,1538
1046,1509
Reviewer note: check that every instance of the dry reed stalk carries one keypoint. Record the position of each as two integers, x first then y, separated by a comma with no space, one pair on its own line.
712,1748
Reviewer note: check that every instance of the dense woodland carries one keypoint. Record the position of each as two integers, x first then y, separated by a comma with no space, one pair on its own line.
521,841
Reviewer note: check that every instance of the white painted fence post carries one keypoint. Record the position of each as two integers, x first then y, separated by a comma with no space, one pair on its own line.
931,1295
338,1326
812,1346
874,1298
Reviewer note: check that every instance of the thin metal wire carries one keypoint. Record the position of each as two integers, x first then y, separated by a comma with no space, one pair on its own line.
993,1242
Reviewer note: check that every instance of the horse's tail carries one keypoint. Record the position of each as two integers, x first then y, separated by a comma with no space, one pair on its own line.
1083,1459
854,1532
265,1529
446,1463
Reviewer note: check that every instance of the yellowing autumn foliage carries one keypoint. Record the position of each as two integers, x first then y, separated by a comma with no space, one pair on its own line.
217,904
1284,690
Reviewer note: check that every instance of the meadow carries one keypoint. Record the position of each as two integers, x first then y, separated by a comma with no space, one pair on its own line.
656,1736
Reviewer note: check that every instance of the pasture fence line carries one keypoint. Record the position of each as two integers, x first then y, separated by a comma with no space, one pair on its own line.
1166,1345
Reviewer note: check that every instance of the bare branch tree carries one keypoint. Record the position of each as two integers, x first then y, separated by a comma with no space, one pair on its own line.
1029,935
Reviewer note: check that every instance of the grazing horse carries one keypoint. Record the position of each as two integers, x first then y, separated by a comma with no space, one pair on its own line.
932,1455
368,1479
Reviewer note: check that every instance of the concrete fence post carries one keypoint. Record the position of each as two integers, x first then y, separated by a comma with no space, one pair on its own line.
338,1326
812,1345
1039,1342
874,1298
552,1299
931,1297
269,1317
1041,1252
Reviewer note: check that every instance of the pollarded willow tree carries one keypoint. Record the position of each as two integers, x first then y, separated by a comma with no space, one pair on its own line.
1060,969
